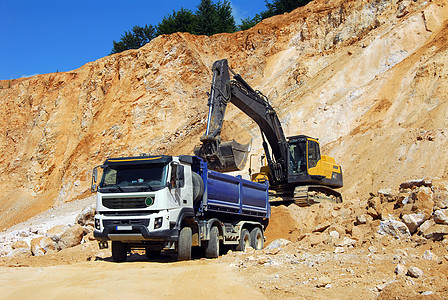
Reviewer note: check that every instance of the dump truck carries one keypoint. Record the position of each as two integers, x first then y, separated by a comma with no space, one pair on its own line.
295,169
174,203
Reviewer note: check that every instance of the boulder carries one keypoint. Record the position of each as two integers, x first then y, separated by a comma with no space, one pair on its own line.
42,245
436,232
441,199
375,203
56,232
277,244
411,184
71,237
426,225
373,213
323,281
400,269
413,221
414,272
394,228
86,216
322,226
425,201
441,216
363,219
387,211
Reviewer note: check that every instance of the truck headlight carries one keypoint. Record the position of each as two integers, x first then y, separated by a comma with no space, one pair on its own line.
97,224
158,222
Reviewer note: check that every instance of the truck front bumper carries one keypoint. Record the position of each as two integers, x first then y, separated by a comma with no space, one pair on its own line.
135,233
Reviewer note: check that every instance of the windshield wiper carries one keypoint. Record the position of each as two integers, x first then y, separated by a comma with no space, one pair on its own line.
115,186
146,185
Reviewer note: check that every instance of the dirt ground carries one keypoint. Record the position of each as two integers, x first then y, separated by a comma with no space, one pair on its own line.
305,265
75,275
293,272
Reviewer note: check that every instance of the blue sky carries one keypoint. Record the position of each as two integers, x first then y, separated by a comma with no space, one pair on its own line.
45,36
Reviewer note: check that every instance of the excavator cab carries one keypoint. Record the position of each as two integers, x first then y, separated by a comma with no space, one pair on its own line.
306,164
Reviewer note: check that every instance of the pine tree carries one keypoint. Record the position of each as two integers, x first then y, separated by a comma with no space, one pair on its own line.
180,21
138,37
205,18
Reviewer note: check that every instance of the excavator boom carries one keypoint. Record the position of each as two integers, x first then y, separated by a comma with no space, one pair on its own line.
232,156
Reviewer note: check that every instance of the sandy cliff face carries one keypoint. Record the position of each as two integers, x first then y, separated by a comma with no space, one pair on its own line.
366,77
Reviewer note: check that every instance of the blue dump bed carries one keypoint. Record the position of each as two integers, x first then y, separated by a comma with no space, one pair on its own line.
235,195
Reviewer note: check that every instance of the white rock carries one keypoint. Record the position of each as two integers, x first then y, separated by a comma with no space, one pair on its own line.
394,228
278,243
428,255
413,221
400,269
339,250
346,241
334,235
86,216
414,272
441,216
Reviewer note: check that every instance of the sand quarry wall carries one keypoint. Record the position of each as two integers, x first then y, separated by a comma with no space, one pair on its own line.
366,77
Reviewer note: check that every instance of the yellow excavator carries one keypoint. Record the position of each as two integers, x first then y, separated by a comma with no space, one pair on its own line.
296,170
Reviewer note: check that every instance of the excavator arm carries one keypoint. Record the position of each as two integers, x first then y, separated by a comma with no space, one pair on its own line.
231,156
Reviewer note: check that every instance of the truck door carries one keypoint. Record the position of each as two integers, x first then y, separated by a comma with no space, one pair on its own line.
179,190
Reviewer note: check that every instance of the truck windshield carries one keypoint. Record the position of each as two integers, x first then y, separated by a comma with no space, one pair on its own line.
133,178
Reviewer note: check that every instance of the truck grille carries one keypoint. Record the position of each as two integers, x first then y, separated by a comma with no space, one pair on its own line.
124,203
144,222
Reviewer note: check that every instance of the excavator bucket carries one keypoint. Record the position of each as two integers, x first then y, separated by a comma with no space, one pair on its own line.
230,156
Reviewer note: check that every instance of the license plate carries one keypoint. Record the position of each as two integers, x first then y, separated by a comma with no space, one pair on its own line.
124,227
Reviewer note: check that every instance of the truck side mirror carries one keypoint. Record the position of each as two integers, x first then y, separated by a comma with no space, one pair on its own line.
94,185
95,174
180,176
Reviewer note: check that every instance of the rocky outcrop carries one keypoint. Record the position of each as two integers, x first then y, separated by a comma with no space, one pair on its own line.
32,241
42,245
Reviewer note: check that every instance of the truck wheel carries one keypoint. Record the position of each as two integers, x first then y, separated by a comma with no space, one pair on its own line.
119,251
212,248
256,238
244,240
184,244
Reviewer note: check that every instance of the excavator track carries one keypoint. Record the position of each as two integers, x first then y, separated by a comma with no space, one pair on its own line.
310,194
307,195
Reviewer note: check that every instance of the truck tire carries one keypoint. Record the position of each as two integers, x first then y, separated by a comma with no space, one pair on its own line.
212,248
184,244
119,251
198,187
257,238
244,240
